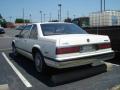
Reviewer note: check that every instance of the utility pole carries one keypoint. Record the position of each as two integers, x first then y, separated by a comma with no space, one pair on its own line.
50,17
104,5
23,16
44,16
58,15
101,5
74,16
30,18
59,5
102,8
10,18
67,14
41,15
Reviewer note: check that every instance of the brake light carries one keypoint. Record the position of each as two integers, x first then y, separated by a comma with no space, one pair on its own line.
67,50
104,46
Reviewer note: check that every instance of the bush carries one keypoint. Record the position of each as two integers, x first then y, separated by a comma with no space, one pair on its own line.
68,20
3,23
20,20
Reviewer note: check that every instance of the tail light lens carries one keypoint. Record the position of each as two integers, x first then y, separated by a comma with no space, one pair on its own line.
104,46
67,50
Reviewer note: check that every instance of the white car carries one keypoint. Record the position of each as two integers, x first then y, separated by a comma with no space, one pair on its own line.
61,45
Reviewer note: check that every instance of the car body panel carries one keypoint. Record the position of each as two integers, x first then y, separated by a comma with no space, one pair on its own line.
2,31
78,39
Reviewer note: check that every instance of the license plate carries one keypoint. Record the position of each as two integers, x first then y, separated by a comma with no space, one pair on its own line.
87,48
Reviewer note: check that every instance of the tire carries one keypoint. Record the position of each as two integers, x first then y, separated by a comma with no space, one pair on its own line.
39,63
14,50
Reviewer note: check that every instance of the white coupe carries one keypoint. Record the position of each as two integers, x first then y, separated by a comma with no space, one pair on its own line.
61,45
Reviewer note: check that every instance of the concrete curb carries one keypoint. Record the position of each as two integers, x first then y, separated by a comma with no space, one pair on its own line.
4,87
109,66
117,87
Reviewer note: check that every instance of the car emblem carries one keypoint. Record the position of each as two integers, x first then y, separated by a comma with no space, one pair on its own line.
88,40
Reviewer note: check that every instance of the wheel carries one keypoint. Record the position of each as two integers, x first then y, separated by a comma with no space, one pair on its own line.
14,50
39,63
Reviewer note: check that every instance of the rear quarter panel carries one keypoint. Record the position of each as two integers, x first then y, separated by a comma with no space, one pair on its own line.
48,47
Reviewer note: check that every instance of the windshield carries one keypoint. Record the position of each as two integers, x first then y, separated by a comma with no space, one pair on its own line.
59,29
20,27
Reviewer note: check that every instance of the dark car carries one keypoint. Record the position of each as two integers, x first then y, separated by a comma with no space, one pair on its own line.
2,31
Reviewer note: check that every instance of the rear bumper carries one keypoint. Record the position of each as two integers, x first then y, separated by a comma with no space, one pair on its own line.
79,61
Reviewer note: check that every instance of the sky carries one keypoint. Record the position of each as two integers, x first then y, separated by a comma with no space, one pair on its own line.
75,8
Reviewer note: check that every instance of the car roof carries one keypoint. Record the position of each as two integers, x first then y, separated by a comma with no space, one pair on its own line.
1,28
51,23
46,23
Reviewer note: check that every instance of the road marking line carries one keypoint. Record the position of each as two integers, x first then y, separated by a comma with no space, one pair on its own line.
6,49
22,78
6,37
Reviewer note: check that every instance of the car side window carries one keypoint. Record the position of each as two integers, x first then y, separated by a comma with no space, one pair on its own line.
26,31
34,33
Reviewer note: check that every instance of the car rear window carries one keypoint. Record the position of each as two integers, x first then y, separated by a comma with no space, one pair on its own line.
59,29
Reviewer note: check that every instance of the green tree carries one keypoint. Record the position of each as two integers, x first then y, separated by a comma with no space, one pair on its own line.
1,16
19,20
68,20
3,22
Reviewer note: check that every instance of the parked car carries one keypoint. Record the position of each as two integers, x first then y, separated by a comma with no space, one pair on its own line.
61,45
2,31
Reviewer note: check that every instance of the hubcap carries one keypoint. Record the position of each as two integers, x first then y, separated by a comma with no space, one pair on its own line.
14,51
38,63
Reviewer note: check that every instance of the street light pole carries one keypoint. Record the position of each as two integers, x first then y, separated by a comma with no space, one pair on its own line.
59,5
41,15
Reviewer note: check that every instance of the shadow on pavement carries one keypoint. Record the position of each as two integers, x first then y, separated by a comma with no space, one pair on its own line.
56,77
115,60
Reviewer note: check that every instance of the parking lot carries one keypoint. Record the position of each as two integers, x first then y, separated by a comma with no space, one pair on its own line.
20,74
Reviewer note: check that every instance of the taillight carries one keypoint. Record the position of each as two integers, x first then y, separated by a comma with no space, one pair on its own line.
104,46
67,50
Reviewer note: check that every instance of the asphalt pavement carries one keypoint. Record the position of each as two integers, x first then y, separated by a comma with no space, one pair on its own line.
6,39
86,80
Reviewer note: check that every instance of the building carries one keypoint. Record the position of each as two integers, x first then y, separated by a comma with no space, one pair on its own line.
105,18
82,21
